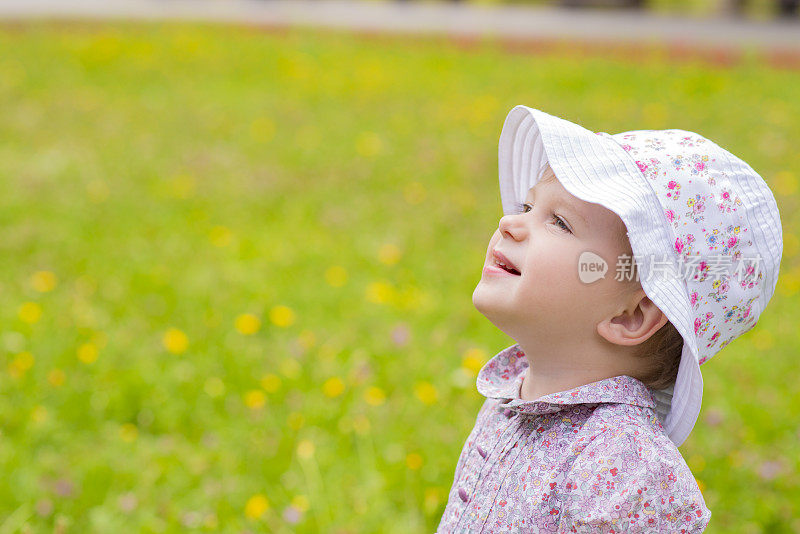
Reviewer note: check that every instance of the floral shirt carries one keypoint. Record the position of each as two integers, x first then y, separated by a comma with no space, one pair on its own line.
591,459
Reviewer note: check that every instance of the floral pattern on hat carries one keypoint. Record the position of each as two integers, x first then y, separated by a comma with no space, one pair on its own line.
701,194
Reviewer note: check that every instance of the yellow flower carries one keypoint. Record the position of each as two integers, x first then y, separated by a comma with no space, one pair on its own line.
43,281
380,292
128,432
87,353
426,392
333,387
24,360
336,276
305,449
282,316
270,382
473,360
20,364
389,254
219,236
255,399
247,324
30,312
175,341
414,461
56,377
256,506
374,396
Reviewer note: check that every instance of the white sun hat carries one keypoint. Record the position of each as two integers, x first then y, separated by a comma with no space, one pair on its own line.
685,201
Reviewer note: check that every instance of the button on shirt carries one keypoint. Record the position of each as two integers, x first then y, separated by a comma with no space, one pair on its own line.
591,459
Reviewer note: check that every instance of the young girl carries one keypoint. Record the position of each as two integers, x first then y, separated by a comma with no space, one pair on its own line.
622,263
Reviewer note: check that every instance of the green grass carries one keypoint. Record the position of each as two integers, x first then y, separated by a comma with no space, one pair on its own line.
342,190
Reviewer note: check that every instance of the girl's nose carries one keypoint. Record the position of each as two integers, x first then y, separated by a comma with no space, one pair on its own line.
509,226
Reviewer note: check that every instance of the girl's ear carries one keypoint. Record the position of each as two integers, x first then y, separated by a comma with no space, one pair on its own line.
635,324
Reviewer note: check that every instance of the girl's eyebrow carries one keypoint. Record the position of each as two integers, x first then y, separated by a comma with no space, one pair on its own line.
563,204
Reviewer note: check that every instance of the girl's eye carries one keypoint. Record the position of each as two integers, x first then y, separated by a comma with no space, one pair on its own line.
559,221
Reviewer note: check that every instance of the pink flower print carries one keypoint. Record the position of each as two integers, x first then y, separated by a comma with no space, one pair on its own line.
627,147
713,340
702,323
699,165
727,202
678,245
720,288
673,189
670,215
642,166
732,241
697,206
703,272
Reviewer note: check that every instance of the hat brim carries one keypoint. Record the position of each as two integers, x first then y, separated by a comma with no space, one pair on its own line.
595,168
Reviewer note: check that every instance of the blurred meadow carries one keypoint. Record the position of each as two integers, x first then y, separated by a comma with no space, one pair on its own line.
238,267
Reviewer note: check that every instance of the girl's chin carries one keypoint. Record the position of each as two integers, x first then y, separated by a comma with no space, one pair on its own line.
489,301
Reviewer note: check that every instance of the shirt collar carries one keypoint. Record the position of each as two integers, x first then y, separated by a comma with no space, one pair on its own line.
501,378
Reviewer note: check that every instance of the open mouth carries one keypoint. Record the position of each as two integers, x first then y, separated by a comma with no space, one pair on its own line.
508,269
504,263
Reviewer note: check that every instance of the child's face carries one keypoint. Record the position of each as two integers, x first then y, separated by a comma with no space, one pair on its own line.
544,242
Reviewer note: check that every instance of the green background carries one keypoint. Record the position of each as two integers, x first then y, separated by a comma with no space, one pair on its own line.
238,267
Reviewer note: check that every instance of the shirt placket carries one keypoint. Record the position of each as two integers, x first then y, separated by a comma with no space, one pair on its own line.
489,463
